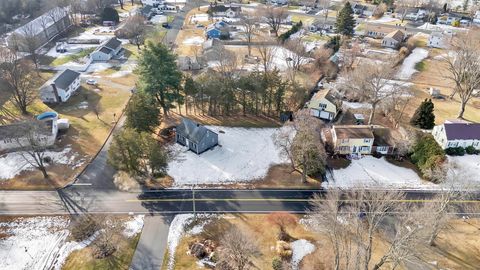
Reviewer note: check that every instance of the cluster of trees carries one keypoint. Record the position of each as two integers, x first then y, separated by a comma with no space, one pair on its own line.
356,221
428,156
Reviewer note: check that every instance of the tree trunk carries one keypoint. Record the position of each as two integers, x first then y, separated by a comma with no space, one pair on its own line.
372,114
462,109
44,171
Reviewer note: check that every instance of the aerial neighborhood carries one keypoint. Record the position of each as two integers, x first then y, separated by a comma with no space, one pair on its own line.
235,135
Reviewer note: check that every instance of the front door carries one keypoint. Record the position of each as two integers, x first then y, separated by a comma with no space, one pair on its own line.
354,150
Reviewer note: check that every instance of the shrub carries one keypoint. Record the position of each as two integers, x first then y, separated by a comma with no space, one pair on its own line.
83,228
423,116
471,150
427,155
455,151
277,263
295,28
110,14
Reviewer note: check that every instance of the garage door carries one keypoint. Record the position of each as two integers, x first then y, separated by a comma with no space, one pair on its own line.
325,115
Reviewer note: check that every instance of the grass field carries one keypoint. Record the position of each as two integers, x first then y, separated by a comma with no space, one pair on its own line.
72,58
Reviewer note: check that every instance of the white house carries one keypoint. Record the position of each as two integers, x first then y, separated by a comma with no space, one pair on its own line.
393,39
216,10
476,18
416,14
61,87
457,134
153,3
323,105
21,134
440,39
108,50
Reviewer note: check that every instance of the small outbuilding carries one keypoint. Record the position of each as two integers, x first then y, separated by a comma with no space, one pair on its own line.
195,137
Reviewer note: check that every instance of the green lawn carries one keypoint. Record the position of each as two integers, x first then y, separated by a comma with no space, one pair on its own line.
421,66
73,57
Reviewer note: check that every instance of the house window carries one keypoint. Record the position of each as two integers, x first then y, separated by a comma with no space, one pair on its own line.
366,140
344,148
8,140
322,106
382,148
344,140
194,146
365,149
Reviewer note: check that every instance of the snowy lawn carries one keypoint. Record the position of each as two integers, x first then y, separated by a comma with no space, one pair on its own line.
196,40
300,249
372,172
469,164
245,154
408,66
40,242
12,164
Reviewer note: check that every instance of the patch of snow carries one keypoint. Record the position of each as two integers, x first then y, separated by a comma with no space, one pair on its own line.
408,66
197,40
244,154
300,249
175,233
199,18
372,172
32,243
12,164
71,49
469,164
133,226
97,67
384,19
356,105
440,27
159,19
83,105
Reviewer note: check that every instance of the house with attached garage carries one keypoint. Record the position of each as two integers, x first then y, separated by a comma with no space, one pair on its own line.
195,137
393,39
22,134
61,87
440,40
216,10
108,50
361,140
324,105
457,133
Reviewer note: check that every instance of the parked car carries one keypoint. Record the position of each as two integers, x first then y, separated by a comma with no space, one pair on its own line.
166,25
91,82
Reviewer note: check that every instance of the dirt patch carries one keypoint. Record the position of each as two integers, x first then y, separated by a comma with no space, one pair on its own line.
254,121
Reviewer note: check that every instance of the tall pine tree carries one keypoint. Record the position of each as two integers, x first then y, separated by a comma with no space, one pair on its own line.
159,75
424,117
345,23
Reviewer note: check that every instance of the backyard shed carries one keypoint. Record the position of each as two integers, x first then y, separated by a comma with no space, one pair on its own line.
195,136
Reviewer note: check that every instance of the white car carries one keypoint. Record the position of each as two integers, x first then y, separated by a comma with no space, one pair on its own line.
91,82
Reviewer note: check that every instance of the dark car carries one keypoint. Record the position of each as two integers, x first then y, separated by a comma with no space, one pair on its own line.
166,25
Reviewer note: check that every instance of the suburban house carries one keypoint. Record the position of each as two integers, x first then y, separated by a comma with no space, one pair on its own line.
61,87
195,137
220,30
321,24
476,18
415,14
230,11
188,63
43,29
108,50
393,39
18,135
279,2
363,10
153,3
375,31
455,133
440,39
323,105
362,140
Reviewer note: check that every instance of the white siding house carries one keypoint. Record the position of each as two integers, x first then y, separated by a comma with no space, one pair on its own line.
440,39
393,39
457,134
107,50
61,87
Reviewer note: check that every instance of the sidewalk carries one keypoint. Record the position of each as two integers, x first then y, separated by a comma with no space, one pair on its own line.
152,244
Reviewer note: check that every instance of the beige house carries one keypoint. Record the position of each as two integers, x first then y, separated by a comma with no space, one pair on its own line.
393,39
323,105
362,140
352,139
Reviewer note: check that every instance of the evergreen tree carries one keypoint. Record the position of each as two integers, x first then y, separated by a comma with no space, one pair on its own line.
424,117
142,113
345,21
110,14
159,75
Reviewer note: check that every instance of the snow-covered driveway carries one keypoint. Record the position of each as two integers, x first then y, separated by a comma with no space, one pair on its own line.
245,154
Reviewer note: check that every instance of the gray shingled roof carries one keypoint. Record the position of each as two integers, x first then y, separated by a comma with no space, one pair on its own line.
462,131
20,129
222,8
64,79
105,50
113,43
192,130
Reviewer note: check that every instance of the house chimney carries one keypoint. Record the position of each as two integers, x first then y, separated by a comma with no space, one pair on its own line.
55,92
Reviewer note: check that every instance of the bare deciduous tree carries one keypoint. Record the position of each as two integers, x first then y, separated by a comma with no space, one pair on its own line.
135,29
267,54
274,17
249,25
301,143
463,66
237,249
372,83
33,139
17,74
296,55
30,42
